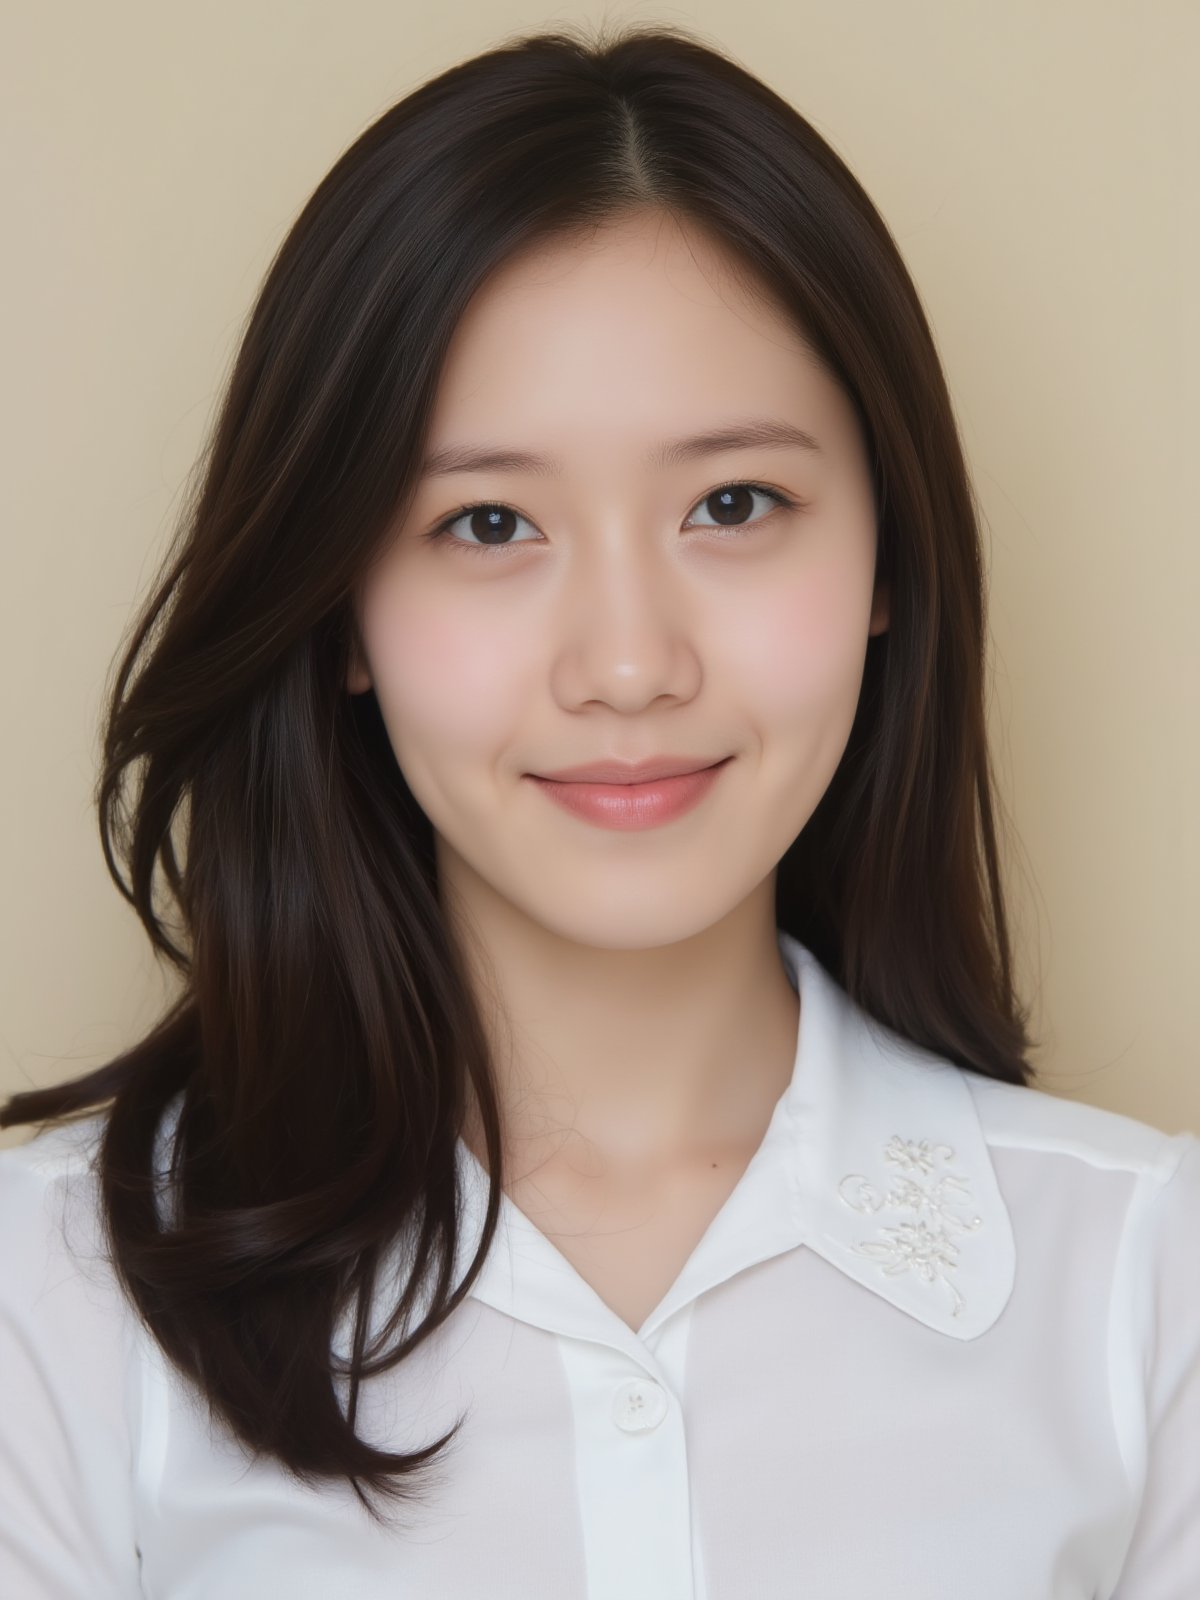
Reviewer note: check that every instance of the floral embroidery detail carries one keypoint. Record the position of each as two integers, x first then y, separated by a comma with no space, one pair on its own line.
922,1243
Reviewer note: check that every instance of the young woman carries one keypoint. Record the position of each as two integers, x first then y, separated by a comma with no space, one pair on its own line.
593,1153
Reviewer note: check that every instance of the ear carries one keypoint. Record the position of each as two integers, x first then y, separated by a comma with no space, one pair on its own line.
358,679
880,609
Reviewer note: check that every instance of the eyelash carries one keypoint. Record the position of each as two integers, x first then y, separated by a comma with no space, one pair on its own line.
441,533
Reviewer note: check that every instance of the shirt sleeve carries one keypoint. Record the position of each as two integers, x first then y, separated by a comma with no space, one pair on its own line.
1163,1559
66,1498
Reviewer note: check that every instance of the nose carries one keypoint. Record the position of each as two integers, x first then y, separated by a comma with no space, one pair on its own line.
625,635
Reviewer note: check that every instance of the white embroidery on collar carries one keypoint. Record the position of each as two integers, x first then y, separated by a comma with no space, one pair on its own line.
923,1244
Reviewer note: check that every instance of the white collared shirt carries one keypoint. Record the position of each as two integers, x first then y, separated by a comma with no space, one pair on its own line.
943,1339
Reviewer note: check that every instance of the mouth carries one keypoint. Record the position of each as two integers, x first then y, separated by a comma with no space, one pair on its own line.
629,806
632,773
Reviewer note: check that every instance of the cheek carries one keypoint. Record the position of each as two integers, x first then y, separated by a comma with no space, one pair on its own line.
444,675
802,648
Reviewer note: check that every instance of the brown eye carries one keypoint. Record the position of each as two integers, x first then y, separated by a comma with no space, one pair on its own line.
491,524
732,505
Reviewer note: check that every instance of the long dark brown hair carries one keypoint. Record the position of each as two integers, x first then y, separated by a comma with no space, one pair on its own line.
319,1052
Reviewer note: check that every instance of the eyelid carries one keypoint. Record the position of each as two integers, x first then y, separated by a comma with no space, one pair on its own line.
784,502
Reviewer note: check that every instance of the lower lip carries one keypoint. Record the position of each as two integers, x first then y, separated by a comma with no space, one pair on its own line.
628,806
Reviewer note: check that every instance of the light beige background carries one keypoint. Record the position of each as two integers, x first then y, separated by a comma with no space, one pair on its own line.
1037,164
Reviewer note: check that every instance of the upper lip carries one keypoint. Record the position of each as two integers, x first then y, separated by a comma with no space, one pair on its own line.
616,771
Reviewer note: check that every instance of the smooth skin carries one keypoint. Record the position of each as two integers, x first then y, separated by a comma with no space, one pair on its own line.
642,1023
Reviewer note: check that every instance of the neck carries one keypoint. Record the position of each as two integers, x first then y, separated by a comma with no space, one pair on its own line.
643,1058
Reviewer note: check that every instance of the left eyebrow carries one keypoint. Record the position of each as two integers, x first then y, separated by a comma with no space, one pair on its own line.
755,433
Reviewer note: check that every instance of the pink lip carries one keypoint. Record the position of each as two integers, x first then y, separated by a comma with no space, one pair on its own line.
628,806
616,770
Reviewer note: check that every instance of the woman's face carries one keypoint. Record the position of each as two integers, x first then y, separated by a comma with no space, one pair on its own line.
610,602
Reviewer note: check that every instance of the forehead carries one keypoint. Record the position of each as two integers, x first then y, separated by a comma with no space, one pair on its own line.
645,323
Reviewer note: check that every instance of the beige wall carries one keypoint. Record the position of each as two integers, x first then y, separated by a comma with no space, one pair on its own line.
1037,165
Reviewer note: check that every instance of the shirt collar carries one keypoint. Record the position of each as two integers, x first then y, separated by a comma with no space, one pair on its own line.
874,1158
896,1185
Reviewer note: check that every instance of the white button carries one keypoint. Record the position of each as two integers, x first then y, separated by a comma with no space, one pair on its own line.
639,1405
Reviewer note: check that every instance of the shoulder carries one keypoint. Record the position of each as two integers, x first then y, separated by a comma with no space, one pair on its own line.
1120,1188
55,1151
55,1261
70,1364
49,1183
1059,1194
1045,1149
1021,1117
64,1320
